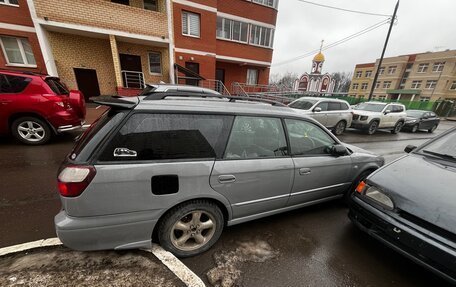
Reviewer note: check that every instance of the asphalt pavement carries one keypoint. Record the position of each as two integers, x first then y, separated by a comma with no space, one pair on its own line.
313,246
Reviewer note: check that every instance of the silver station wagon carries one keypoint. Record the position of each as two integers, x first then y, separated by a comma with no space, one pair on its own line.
175,168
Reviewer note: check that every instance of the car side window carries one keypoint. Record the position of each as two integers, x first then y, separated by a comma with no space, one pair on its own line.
307,138
334,106
344,106
323,106
397,109
256,137
13,84
388,107
169,136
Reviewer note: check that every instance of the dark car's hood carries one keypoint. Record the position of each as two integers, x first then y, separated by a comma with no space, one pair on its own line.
422,187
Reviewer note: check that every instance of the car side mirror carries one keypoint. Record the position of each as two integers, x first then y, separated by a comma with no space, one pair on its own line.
409,148
387,112
338,150
317,109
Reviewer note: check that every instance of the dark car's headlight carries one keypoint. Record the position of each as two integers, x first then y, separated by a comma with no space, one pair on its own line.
363,118
375,194
411,121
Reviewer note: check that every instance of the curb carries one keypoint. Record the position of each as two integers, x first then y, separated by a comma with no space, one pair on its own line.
167,258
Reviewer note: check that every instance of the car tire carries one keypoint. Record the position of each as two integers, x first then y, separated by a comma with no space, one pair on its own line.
191,228
397,128
352,189
414,129
340,128
31,130
373,126
431,130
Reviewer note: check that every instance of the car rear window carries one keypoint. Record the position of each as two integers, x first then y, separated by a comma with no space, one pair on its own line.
147,136
91,138
56,86
303,104
10,84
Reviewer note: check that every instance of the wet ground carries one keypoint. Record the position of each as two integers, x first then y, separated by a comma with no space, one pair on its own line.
59,266
314,246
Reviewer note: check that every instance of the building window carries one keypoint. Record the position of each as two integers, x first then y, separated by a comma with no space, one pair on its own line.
269,3
232,29
252,76
151,5
416,84
368,74
10,2
377,85
364,86
381,71
438,66
190,24
18,51
453,86
422,68
425,99
155,63
355,86
386,84
382,97
261,36
430,84
123,2
359,74
392,70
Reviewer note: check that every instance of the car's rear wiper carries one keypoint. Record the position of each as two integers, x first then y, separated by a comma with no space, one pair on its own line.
441,155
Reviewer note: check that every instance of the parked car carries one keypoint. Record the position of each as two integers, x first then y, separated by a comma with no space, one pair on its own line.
332,113
178,168
410,205
33,107
370,116
421,120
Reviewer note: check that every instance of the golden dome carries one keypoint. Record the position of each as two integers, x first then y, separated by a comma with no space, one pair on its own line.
319,57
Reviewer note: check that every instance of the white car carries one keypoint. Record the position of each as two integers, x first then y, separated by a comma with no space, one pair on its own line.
370,116
334,114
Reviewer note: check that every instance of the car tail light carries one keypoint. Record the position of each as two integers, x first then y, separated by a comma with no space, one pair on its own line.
73,180
360,187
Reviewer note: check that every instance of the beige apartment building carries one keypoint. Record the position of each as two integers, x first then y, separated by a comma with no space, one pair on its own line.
105,47
417,77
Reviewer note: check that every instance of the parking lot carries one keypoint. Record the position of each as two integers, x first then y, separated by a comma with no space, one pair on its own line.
314,246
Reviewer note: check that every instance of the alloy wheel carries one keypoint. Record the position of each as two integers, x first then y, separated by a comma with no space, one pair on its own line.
31,131
193,230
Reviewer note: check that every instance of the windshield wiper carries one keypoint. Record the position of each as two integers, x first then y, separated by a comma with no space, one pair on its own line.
441,155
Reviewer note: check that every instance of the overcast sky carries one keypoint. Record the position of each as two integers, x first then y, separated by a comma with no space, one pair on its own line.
422,25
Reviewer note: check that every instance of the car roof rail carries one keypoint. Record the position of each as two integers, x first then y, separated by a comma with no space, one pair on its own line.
116,101
162,95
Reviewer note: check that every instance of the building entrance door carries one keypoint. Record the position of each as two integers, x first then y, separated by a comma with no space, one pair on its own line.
87,81
131,67
220,76
194,67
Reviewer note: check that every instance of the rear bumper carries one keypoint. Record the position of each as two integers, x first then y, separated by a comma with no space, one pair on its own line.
124,231
411,243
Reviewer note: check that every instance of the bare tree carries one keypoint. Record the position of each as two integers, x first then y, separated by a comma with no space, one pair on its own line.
287,80
343,81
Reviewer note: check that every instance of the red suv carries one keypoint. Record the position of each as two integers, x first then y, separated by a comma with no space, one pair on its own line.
34,107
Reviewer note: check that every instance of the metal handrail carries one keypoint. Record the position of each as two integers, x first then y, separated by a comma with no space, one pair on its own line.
133,79
215,85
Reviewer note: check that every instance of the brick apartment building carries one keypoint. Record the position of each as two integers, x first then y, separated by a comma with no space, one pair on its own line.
417,77
116,46
19,47
226,40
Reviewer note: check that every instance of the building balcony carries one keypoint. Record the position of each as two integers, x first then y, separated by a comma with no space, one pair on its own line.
129,19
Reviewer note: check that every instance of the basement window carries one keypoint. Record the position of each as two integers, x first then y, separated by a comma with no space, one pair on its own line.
151,5
123,2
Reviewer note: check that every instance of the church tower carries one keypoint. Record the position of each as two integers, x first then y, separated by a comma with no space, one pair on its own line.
317,62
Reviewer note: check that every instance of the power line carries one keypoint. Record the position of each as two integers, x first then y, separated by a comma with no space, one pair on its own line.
336,43
346,10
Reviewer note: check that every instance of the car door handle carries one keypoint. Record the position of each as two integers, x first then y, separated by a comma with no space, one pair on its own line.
229,178
304,171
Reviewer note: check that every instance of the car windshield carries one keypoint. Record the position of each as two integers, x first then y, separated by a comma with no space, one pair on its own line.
415,114
370,107
303,104
444,147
